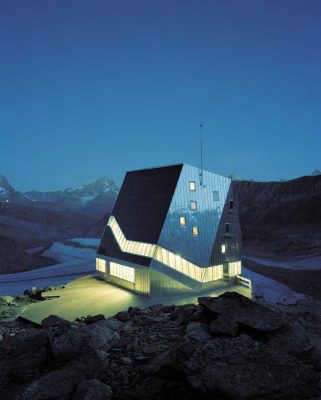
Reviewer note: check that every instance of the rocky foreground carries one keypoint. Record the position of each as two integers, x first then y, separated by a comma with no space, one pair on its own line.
223,348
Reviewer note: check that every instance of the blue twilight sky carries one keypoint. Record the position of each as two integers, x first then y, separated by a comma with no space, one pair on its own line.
94,88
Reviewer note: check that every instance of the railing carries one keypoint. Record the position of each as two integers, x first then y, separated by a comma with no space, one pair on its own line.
244,282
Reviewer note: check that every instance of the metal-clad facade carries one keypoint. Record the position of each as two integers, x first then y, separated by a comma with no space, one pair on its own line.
180,239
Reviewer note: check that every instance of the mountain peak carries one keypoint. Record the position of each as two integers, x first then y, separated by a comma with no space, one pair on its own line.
316,172
5,185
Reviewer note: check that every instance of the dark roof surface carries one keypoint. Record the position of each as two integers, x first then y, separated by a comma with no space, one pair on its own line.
143,202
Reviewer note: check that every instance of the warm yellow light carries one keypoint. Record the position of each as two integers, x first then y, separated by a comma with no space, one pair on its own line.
195,230
182,221
192,186
122,272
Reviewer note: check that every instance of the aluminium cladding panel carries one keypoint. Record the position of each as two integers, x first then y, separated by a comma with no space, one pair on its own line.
141,284
161,284
232,240
210,198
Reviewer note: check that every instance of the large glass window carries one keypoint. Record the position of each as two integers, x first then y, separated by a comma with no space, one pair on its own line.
192,186
100,265
122,272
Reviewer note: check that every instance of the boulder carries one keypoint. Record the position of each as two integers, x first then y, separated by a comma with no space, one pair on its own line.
92,390
23,357
249,315
197,331
183,313
60,384
55,321
69,343
241,368
90,319
123,316
223,325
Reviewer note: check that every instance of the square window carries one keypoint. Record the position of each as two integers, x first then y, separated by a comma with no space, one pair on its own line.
216,196
195,230
223,248
193,205
182,221
192,186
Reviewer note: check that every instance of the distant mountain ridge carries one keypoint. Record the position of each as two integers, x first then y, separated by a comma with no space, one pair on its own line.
37,218
93,198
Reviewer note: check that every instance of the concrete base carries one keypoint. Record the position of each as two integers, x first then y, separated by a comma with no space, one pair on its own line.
90,296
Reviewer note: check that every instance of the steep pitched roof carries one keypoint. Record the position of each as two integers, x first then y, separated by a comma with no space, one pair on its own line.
143,202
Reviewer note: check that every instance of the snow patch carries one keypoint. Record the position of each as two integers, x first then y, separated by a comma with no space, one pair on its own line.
311,264
86,241
271,290
73,263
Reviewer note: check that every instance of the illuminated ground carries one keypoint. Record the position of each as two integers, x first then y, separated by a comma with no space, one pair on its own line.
90,296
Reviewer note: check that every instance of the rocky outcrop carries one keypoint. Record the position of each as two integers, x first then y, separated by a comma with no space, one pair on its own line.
224,348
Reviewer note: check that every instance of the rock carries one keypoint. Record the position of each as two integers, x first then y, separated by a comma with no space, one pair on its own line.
68,343
55,321
148,349
182,314
123,316
240,368
92,390
250,316
23,357
125,361
167,309
90,319
197,331
133,344
54,385
223,325
134,311
61,383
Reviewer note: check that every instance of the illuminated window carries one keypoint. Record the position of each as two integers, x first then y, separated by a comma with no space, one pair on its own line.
216,196
231,204
192,185
122,272
223,248
195,230
227,228
182,221
193,205
100,265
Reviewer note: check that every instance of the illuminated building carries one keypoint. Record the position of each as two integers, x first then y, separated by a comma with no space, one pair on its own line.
173,230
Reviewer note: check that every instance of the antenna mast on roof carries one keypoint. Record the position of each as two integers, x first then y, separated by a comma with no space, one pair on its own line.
201,143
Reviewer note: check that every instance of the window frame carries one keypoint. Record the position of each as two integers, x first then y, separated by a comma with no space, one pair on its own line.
192,186
216,193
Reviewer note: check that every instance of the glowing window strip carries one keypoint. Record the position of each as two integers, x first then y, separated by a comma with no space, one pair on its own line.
122,271
164,256
234,268
100,265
